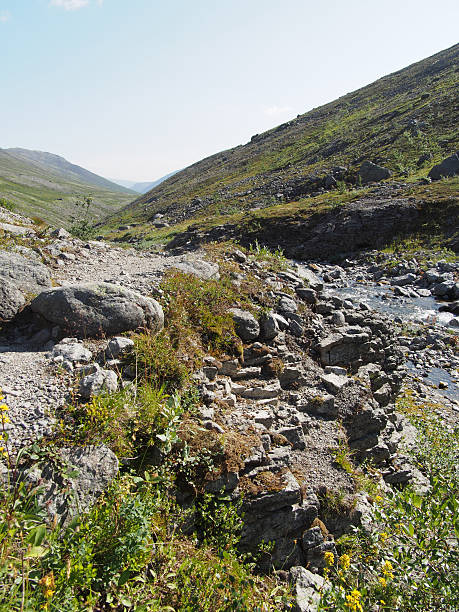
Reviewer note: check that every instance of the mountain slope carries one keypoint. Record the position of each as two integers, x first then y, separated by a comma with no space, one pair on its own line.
405,121
60,166
46,185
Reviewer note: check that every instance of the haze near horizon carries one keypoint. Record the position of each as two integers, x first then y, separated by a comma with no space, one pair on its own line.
137,90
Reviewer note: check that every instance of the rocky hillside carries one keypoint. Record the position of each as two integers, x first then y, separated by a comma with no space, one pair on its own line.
47,186
404,122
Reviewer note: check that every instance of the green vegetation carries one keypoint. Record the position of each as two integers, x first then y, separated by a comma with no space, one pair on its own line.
137,548
6,204
411,561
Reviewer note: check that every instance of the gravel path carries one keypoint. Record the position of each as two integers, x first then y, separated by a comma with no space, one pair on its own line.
32,385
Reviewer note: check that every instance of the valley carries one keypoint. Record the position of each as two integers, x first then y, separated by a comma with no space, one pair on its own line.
240,390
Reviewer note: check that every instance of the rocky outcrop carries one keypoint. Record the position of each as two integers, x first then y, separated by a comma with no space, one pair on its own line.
98,309
448,167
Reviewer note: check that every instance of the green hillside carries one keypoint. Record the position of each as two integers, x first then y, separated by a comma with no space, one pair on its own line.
406,121
47,186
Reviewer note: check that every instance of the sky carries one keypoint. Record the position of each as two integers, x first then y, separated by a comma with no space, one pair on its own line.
134,89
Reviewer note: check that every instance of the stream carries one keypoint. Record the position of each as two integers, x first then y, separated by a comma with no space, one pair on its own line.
417,315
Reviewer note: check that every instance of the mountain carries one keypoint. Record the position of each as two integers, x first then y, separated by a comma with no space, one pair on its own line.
145,187
406,122
47,186
123,183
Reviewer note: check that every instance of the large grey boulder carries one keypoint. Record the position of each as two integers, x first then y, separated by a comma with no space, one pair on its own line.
448,167
247,327
98,309
370,172
91,468
11,300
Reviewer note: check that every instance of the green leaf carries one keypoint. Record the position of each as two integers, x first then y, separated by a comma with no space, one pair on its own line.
36,552
124,577
37,535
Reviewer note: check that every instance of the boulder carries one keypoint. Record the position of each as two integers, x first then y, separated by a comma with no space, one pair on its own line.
97,309
11,300
448,167
72,350
118,347
247,327
370,172
269,326
100,381
307,588
94,468
25,274
198,267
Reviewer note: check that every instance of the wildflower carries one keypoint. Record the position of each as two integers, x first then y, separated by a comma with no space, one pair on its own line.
353,601
329,558
387,569
345,561
383,582
378,499
382,602
48,585
3,407
383,536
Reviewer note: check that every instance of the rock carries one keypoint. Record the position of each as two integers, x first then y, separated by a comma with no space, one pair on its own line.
338,318
307,589
370,172
269,328
334,383
448,167
227,481
61,234
98,309
267,392
11,300
247,327
198,267
307,295
71,350
96,467
323,405
27,275
311,279
295,436
100,381
118,346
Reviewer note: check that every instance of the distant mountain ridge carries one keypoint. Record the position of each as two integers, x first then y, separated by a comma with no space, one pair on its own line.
56,163
47,186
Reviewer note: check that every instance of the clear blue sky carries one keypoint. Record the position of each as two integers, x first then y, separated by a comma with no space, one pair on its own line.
134,89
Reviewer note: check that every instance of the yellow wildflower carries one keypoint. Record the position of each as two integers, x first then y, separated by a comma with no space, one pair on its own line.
3,407
383,536
345,561
329,558
353,601
378,499
387,569
383,582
